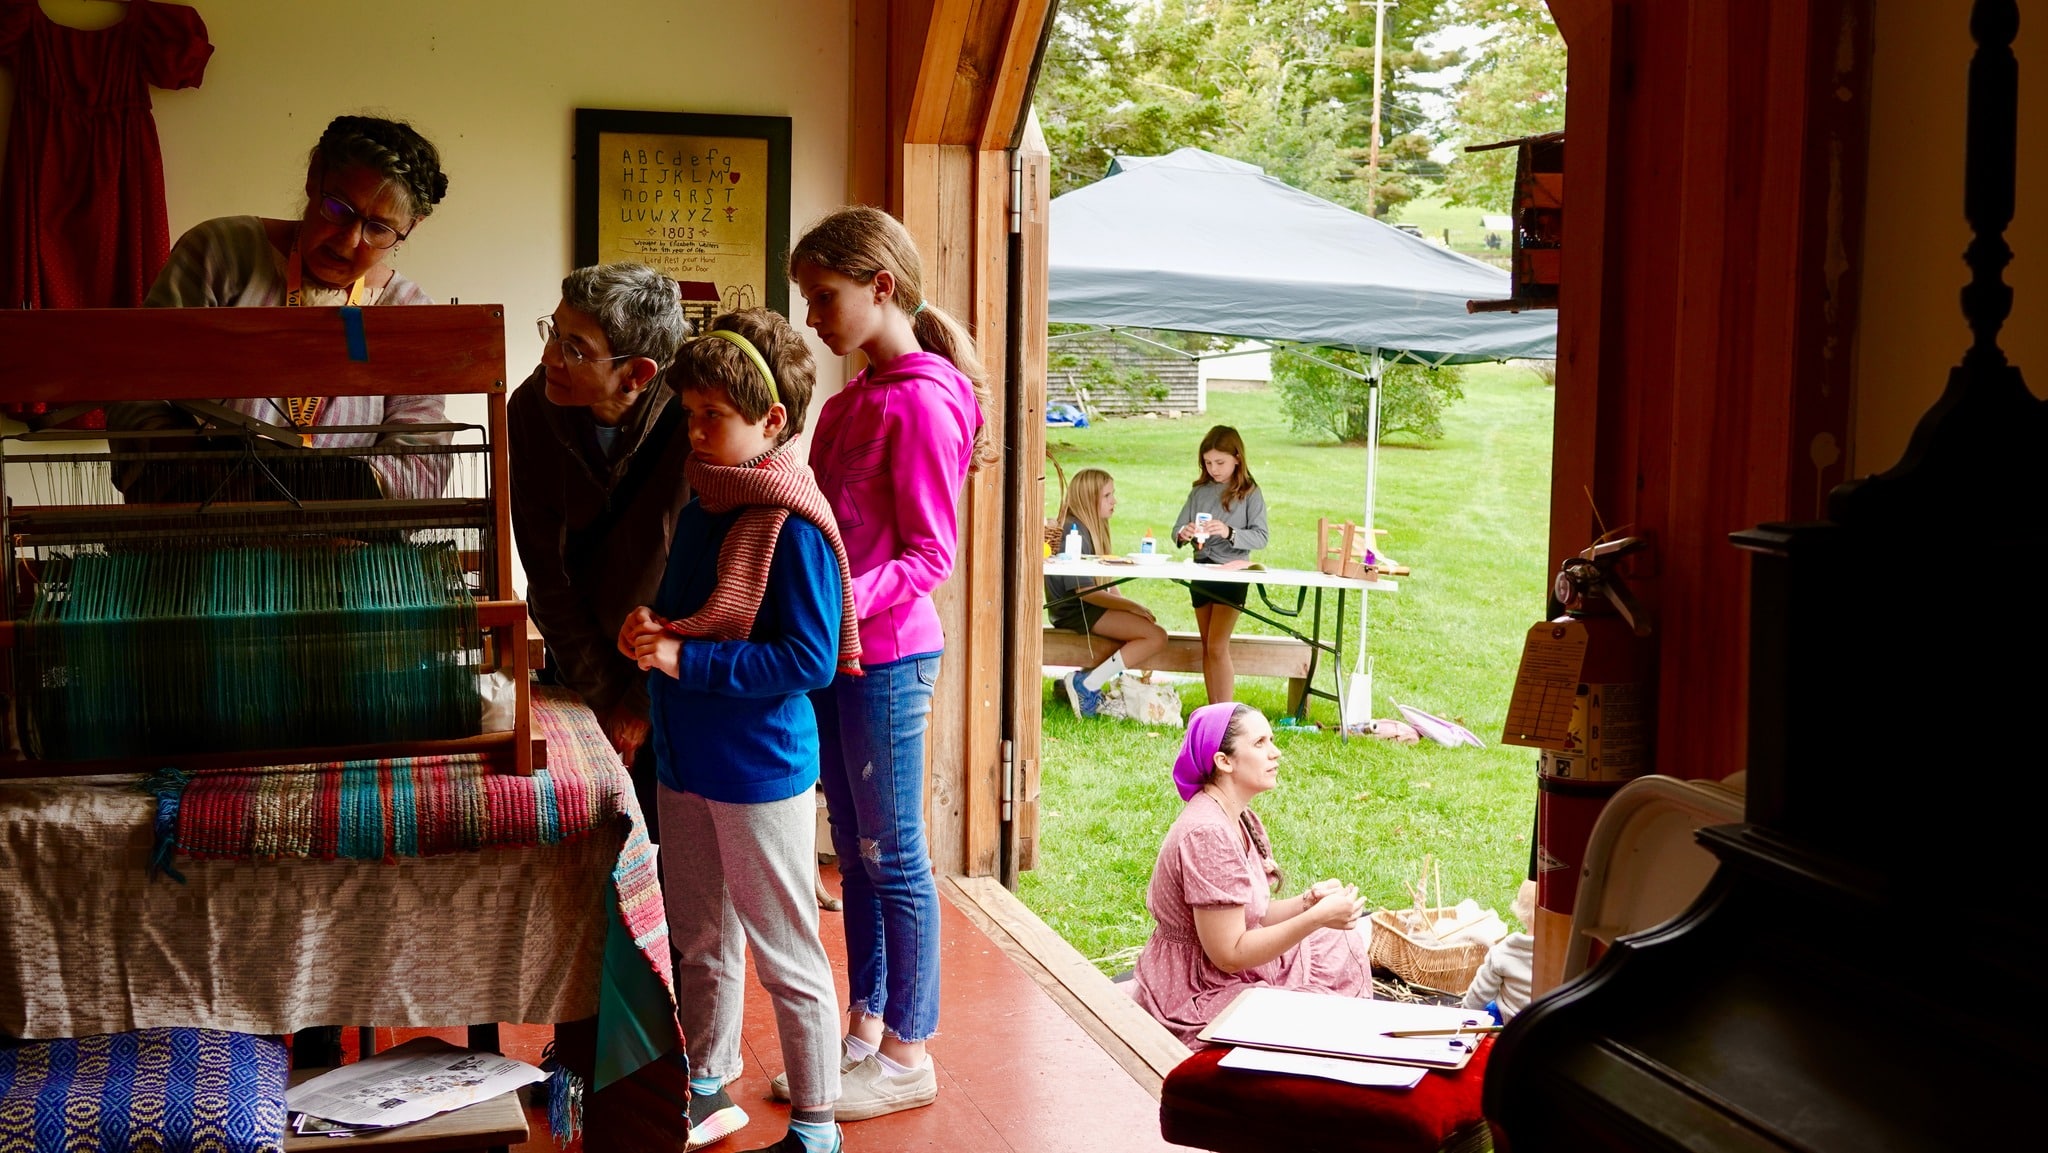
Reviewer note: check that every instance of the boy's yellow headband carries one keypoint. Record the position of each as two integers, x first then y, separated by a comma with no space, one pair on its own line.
753,354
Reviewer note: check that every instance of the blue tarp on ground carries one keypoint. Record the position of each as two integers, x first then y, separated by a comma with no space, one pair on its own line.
1195,242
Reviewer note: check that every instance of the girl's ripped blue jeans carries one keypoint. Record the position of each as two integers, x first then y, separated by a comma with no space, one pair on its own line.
871,765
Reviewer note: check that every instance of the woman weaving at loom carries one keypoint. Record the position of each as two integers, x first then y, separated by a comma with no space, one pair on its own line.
369,183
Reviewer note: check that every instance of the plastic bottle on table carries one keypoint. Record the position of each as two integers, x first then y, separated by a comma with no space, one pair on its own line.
1148,546
1073,543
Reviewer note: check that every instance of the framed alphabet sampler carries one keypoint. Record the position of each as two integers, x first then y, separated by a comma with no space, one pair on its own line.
703,198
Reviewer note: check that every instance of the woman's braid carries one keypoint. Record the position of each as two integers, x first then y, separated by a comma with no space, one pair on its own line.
389,147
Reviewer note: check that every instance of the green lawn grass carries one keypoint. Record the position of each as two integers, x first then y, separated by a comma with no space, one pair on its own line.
1433,216
1467,514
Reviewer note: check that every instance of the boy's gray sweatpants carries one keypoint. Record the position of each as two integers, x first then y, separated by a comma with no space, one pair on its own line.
740,875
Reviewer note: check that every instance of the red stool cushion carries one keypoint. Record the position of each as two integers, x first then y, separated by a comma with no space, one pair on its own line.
1233,1111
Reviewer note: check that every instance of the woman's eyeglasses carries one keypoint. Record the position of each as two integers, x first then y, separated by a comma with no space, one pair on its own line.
571,354
335,210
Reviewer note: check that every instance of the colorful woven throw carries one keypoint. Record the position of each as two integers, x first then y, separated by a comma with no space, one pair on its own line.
160,1090
429,806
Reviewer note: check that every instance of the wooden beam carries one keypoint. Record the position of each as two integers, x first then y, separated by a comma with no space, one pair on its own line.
939,207
990,542
870,148
1014,73
62,355
1025,462
938,66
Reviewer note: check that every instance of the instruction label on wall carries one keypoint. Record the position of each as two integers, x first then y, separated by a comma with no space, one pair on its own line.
1608,738
694,207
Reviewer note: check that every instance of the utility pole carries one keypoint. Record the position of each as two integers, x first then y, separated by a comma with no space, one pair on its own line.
1372,163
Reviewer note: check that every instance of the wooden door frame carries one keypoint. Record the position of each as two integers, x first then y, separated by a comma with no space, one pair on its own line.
940,100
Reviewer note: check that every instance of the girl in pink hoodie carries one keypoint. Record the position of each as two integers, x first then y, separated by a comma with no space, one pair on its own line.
891,452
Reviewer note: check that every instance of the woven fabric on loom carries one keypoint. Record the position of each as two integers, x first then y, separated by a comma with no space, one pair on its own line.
431,806
417,807
163,1090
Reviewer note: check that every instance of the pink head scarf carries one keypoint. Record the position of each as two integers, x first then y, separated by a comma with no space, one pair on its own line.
1197,758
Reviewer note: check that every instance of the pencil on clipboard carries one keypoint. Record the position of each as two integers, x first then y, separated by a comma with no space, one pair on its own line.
1441,1032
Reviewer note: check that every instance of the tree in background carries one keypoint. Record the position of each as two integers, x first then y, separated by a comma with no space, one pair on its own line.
1513,88
1319,400
1283,84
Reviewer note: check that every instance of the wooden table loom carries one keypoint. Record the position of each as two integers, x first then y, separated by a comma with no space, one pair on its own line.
78,359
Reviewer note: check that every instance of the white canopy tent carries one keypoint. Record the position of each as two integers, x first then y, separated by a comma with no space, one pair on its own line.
1194,242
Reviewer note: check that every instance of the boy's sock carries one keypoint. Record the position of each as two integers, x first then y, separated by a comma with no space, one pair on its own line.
817,1136
895,1070
705,1086
859,1050
1104,673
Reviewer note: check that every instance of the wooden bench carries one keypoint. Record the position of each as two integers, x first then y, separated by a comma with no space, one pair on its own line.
1251,655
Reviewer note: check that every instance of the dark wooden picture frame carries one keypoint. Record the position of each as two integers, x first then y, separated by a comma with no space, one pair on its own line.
670,190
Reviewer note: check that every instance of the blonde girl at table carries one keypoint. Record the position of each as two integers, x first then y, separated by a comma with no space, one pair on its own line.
1224,519
1076,605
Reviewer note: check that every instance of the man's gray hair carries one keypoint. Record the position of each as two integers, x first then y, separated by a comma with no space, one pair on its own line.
639,309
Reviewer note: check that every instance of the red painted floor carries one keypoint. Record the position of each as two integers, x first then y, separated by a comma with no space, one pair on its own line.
1016,1074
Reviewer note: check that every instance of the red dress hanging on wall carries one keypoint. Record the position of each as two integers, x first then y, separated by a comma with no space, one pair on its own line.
82,222
82,194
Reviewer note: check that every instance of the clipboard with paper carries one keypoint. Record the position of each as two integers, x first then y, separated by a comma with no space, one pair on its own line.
1329,1025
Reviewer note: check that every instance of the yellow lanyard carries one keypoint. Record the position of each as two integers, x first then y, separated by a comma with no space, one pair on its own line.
301,410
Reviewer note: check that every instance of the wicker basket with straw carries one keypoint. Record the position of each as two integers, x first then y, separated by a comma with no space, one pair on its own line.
1412,953
1416,945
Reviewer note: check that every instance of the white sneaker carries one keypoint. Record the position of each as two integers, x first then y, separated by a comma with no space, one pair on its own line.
778,1085
868,1090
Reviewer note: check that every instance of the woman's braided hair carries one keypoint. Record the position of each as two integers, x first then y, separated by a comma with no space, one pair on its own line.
390,147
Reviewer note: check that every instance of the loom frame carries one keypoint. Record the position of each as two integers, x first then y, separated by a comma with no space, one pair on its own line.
62,357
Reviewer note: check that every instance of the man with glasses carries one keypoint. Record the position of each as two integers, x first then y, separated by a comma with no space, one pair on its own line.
597,451
370,182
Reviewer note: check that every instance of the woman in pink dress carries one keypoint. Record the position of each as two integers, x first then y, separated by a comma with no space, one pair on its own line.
1219,930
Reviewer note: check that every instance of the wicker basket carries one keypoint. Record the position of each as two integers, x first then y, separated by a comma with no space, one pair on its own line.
1446,967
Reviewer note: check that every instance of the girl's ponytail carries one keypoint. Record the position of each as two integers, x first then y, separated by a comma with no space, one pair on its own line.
859,242
938,332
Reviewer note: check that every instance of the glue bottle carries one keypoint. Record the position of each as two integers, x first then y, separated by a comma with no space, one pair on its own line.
1148,546
1073,549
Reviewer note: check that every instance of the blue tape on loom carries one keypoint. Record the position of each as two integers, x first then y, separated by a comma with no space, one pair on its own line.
352,332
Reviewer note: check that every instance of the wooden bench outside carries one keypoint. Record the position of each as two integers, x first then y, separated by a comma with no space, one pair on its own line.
1251,655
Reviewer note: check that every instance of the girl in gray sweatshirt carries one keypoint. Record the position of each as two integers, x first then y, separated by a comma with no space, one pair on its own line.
1223,520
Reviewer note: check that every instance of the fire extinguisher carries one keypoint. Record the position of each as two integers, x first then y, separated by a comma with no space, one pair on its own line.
1610,736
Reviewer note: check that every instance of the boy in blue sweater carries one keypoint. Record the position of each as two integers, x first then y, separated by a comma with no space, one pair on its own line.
755,612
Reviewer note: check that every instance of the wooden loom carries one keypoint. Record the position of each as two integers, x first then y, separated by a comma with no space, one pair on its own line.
59,357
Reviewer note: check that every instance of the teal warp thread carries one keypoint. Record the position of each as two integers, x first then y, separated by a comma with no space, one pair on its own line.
405,817
172,650
168,786
361,837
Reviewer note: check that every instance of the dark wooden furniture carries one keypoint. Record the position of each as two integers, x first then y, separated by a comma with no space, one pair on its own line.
1859,974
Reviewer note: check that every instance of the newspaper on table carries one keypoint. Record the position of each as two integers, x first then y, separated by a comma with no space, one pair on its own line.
412,1081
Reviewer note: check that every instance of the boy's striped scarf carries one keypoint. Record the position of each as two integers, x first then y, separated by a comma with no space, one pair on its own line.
768,491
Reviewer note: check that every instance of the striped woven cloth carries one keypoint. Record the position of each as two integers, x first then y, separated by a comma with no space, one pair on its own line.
430,806
418,807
